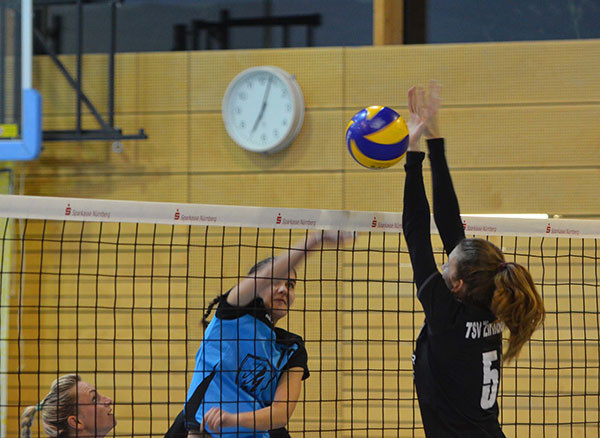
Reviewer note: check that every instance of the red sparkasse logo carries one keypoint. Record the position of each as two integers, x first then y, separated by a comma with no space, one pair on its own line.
177,215
548,229
279,218
374,222
464,225
68,210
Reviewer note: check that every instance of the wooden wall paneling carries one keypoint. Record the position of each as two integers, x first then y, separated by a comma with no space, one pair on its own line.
155,188
268,190
211,73
64,157
163,82
317,147
58,98
476,74
165,151
521,137
126,78
552,191
563,191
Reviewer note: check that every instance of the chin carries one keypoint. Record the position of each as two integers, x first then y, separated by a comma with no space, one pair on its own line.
279,315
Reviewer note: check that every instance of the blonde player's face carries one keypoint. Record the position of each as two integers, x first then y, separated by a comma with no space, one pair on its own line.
95,417
282,297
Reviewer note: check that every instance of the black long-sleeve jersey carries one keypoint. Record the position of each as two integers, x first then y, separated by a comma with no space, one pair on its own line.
459,349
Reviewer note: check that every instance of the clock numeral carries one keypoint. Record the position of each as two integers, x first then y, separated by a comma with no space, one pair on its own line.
243,96
284,122
263,137
242,124
275,133
237,110
250,84
288,108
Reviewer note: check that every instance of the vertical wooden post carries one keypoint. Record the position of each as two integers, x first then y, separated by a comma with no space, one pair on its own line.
388,22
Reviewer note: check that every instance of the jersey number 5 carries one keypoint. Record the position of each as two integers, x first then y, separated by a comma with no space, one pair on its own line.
491,379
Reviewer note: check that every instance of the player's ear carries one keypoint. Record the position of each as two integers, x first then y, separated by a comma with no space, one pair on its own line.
74,423
457,286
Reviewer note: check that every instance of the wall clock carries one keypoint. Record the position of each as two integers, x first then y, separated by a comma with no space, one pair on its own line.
263,109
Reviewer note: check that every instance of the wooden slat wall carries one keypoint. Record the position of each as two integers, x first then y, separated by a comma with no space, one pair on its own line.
519,120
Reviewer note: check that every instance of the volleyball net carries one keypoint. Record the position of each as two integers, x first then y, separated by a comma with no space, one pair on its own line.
115,291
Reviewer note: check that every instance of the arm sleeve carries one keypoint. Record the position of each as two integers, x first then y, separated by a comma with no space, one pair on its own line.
416,219
445,204
299,359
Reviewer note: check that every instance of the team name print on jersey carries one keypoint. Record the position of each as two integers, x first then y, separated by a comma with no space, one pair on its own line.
483,329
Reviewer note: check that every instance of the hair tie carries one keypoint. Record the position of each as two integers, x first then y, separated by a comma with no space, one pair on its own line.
501,267
39,406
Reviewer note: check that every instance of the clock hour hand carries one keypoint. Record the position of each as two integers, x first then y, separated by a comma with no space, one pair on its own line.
263,106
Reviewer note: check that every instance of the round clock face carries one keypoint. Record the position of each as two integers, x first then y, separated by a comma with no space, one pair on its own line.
263,109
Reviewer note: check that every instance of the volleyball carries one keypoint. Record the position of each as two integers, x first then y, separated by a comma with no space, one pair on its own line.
377,137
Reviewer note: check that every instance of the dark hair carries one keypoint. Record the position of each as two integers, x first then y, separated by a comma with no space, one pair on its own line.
507,289
212,304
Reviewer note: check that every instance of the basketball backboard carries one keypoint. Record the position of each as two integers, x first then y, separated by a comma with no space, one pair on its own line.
20,104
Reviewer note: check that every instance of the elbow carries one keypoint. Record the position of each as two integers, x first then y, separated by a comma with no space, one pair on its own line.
281,416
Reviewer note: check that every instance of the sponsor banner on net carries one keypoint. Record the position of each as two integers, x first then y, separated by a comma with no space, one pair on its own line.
76,209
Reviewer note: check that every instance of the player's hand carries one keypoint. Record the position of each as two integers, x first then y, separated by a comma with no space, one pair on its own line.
416,121
216,419
333,237
430,110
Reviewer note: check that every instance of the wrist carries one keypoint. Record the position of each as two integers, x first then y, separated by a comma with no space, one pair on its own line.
314,239
311,240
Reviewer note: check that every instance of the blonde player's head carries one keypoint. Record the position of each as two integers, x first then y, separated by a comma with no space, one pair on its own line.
71,408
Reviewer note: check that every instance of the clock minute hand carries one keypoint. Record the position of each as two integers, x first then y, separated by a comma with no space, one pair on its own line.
263,106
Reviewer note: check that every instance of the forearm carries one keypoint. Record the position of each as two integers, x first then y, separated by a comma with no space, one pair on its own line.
416,219
278,269
272,417
446,211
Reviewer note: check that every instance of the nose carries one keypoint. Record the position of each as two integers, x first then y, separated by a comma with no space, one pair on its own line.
107,400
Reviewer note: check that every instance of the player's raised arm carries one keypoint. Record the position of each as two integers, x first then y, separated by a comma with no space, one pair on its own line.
445,203
416,214
260,281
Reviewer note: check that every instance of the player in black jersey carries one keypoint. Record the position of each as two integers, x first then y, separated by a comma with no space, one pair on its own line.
458,355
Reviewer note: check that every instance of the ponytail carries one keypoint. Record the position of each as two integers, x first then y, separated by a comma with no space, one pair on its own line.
27,420
54,409
517,303
506,289
205,320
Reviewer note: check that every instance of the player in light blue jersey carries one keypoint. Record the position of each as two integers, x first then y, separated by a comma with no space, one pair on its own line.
248,372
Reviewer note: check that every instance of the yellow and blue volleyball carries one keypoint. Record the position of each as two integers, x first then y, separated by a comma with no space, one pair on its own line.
377,137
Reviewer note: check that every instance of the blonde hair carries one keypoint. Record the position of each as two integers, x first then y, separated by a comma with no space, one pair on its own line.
55,408
507,289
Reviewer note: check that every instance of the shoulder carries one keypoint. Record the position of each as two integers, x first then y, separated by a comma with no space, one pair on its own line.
296,352
288,338
439,304
255,308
